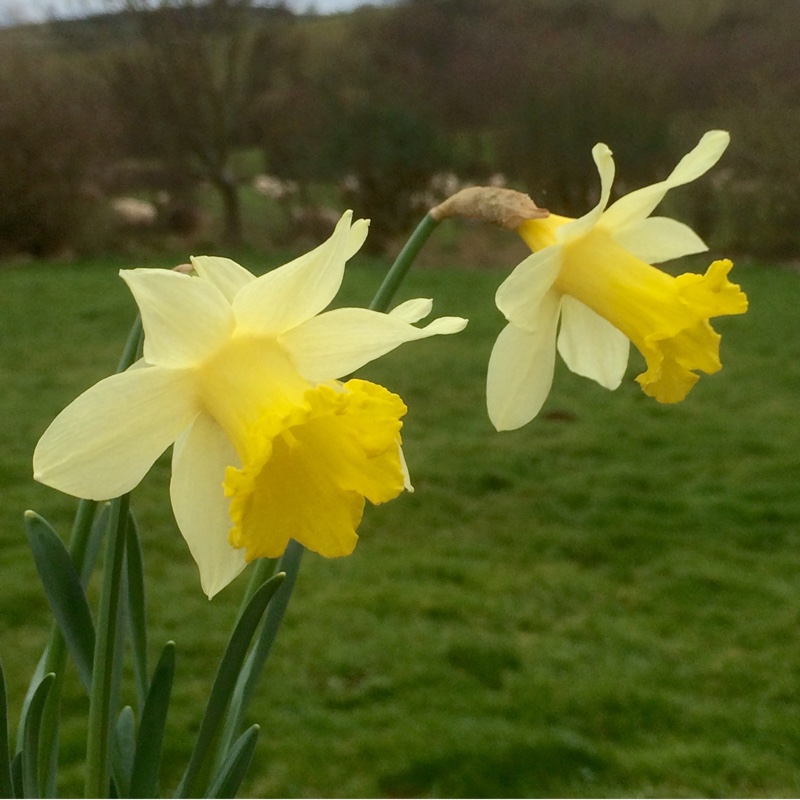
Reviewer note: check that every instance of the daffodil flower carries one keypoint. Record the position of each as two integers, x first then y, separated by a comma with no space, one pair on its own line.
594,275
241,374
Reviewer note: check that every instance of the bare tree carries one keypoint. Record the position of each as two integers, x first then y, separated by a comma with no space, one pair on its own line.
186,79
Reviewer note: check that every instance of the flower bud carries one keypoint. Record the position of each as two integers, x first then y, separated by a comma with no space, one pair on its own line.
504,207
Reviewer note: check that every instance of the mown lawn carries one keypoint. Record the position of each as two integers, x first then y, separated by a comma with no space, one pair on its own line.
604,603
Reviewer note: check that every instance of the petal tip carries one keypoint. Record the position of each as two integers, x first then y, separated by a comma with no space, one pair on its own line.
601,150
719,136
457,324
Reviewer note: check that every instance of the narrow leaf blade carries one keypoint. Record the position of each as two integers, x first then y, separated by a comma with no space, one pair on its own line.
30,743
16,775
94,543
231,774
6,784
122,751
137,610
257,658
64,591
150,740
38,674
108,652
227,675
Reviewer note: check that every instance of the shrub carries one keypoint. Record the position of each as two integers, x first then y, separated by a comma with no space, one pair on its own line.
50,130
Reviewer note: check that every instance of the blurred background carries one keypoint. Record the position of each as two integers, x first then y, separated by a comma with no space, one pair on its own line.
133,124
603,603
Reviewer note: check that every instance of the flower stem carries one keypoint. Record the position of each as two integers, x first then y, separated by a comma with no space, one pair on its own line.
104,669
133,345
399,270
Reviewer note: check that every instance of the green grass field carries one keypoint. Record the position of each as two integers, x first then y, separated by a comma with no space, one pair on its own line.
604,603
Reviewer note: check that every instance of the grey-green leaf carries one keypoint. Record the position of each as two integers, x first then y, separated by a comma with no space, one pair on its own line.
231,774
122,751
136,607
64,591
257,658
6,784
94,542
150,740
30,743
227,674
16,775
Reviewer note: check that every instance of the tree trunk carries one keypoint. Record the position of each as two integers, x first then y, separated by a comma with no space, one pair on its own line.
231,209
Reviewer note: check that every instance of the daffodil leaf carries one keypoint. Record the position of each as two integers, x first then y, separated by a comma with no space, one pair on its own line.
122,751
30,742
257,659
6,784
64,591
16,775
149,742
49,737
137,617
224,684
38,674
94,542
230,776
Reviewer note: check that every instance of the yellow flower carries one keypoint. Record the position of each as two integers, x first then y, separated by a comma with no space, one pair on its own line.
241,373
594,274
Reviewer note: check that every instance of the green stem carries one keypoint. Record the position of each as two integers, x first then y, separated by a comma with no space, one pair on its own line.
81,528
133,345
399,270
104,669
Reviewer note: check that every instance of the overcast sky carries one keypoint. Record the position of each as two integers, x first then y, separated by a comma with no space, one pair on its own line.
12,11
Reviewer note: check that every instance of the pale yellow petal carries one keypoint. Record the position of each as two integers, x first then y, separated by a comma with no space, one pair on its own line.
407,485
356,237
658,239
201,509
297,291
604,161
226,275
520,295
521,369
338,342
413,310
701,158
184,318
590,345
640,204
103,443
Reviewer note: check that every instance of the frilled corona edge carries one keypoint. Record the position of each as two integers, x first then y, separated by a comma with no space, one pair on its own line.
504,207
